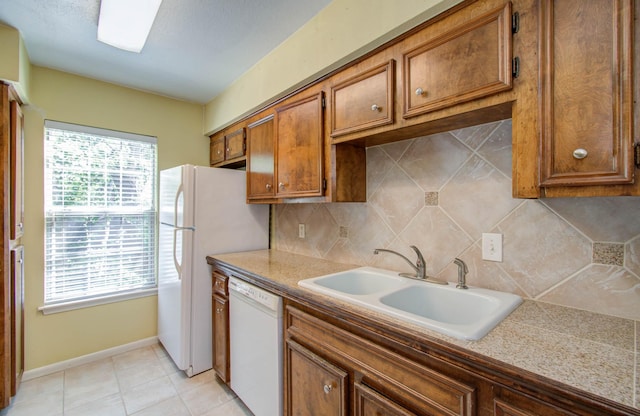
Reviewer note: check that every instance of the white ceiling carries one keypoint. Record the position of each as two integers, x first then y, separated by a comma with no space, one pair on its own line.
196,48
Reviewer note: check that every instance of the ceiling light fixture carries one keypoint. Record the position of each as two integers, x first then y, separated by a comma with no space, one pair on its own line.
125,24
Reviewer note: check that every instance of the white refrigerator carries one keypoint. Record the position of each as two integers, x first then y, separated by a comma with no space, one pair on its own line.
202,212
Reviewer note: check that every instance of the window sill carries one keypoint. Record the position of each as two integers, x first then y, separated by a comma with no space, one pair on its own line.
101,300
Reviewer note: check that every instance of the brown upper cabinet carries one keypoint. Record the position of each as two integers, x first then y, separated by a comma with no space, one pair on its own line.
363,101
565,72
216,149
586,84
468,62
299,147
575,135
260,159
227,149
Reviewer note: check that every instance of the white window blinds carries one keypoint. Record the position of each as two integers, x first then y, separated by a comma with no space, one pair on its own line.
100,212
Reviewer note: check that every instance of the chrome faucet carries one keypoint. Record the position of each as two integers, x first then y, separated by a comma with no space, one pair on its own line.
419,267
462,273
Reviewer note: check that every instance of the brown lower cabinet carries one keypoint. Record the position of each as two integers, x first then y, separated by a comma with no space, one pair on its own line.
220,324
332,367
339,363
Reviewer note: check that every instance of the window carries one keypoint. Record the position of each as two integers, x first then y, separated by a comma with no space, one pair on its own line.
100,212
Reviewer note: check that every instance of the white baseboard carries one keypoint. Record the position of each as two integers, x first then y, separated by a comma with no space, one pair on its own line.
85,359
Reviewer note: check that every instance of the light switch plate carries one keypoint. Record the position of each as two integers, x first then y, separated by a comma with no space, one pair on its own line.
492,246
301,231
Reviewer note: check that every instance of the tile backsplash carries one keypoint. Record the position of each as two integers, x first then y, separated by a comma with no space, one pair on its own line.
441,192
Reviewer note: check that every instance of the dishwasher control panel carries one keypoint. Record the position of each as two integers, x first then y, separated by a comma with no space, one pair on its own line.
254,293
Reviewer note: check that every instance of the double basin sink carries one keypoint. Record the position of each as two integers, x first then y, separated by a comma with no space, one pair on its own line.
461,313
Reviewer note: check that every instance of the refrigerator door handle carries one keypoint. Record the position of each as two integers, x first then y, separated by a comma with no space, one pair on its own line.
175,208
175,258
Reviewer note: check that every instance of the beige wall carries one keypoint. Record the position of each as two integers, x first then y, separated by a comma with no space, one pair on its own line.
442,192
14,65
64,97
342,31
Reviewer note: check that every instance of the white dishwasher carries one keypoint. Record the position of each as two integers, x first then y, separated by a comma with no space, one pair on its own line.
255,340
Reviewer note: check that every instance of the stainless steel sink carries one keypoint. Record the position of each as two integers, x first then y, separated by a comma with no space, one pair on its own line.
462,313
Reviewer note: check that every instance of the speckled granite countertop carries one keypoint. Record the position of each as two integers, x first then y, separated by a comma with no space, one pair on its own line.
591,352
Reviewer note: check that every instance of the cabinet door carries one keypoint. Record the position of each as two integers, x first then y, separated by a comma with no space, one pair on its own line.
369,402
364,101
465,63
17,171
260,160
17,314
221,337
234,144
313,385
587,92
299,133
216,149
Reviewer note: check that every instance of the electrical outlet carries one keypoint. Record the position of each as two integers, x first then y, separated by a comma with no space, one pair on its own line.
492,247
301,231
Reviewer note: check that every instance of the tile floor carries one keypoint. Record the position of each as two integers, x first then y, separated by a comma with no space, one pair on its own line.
142,382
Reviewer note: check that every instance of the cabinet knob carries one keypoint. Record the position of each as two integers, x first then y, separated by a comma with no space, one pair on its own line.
228,149
375,107
327,388
281,185
419,91
219,152
268,186
580,153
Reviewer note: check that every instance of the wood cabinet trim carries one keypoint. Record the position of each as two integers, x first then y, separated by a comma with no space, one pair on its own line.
502,82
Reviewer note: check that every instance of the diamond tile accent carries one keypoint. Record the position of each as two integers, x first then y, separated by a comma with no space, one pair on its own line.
608,253
431,199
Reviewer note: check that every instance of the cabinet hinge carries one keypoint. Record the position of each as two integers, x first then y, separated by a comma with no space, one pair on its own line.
636,154
323,103
324,184
515,22
515,67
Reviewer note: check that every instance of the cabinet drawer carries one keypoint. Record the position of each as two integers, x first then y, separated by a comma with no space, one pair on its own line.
468,62
401,380
235,144
363,101
370,402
